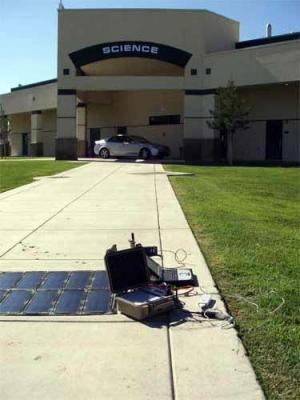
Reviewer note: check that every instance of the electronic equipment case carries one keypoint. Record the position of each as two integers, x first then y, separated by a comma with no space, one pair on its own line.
130,282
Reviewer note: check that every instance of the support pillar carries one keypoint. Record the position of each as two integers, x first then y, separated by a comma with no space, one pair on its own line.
36,143
66,140
201,143
81,130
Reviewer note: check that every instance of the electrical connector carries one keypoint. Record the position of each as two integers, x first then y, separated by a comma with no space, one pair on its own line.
206,302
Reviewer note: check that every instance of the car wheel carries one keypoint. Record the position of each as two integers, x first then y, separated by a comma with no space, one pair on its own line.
104,153
145,154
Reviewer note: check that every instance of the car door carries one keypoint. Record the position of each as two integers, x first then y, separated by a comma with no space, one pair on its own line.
126,147
135,147
113,145
129,147
123,145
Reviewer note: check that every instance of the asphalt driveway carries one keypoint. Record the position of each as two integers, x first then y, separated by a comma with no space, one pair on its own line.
67,222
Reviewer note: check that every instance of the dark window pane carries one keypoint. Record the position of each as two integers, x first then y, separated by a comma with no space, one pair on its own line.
122,130
164,120
113,139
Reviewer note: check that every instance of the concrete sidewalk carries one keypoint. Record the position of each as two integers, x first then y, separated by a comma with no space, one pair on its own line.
67,223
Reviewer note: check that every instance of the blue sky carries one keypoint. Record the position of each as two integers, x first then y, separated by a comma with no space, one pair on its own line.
28,28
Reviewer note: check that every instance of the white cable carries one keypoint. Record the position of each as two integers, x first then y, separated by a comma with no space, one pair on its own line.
278,307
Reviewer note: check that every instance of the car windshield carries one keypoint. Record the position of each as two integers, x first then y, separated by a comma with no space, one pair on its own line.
139,139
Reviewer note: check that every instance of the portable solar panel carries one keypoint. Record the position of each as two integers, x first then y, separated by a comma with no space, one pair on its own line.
54,293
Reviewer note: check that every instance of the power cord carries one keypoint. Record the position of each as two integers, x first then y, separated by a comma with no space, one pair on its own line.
181,255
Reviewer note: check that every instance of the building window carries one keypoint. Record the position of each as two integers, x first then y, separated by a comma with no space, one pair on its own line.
164,120
193,71
208,71
122,130
66,71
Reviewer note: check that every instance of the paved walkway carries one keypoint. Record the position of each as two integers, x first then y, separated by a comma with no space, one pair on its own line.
67,222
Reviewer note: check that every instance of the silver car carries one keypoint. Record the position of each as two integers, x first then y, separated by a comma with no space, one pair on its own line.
129,146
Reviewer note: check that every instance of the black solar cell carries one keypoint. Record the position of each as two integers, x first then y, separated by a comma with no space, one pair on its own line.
98,301
100,280
55,280
30,280
8,280
15,302
42,302
70,302
78,280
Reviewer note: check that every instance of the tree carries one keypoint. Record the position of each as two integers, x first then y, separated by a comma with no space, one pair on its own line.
229,115
4,131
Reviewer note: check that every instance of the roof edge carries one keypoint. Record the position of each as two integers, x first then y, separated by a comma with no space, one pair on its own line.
31,85
267,40
125,9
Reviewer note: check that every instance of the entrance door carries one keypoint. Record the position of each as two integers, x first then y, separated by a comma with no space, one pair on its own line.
25,144
274,140
95,134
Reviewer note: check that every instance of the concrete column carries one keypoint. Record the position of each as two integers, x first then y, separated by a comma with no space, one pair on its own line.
66,140
36,144
201,143
81,129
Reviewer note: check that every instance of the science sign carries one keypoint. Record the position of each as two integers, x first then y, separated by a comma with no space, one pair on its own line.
106,51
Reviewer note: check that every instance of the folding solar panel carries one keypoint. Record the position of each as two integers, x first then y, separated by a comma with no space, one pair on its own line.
30,280
54,293
15,302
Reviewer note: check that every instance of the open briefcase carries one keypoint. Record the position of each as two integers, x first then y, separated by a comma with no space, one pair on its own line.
130,282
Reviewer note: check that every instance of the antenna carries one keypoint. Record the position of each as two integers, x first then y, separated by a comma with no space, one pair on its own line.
132,241
268,30
61,6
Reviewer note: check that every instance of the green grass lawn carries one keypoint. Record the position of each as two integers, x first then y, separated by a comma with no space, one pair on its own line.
247,222
16,173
